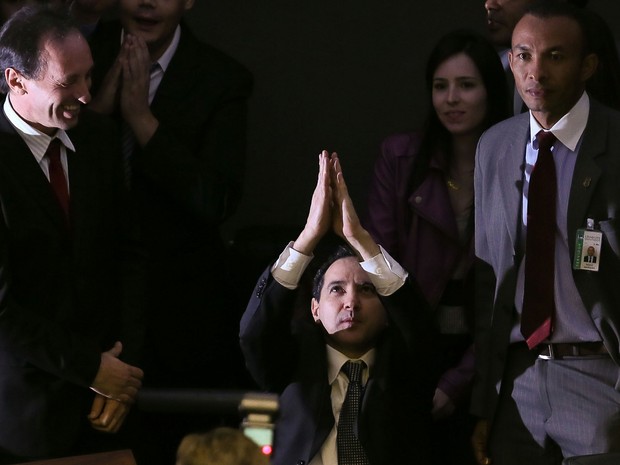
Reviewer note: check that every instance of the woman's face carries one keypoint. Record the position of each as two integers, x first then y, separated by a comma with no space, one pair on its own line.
459,95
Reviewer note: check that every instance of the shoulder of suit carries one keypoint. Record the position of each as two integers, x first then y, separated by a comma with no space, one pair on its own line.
509,127
210,57
598,109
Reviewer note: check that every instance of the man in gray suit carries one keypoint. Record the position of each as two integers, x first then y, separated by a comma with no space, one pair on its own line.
542,399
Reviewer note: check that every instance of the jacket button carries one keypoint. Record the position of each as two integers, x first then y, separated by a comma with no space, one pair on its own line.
301,462
418,199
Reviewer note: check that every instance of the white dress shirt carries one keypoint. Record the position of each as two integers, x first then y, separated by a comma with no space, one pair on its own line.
38,142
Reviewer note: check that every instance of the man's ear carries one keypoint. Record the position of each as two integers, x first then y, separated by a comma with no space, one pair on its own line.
16,81
588,68
189,4
315,310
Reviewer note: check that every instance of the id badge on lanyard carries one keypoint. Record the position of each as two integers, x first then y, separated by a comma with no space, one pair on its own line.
588,248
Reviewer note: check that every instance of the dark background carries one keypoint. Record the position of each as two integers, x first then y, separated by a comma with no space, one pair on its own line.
333,74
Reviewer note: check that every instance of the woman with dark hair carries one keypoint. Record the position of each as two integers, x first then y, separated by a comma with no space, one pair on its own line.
421,211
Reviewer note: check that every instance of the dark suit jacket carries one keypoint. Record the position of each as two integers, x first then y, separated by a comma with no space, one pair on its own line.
289,357
186,181
595,193
60,289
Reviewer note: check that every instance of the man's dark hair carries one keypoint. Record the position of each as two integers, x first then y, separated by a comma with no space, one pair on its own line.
319,278
22,37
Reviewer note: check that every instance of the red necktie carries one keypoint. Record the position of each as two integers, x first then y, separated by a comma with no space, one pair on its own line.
57,175
538,296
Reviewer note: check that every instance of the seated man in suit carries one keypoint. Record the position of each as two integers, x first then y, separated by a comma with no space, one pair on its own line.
66,254
366,315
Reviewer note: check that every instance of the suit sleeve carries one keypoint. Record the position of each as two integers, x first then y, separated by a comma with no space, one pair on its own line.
266,334
43,342
485,283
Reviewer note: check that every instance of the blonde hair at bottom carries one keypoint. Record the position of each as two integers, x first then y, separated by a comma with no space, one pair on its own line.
220,446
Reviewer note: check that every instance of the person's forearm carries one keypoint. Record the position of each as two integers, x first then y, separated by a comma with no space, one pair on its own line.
364,244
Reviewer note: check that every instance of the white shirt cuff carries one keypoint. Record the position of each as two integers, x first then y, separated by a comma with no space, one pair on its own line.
385,273
289,267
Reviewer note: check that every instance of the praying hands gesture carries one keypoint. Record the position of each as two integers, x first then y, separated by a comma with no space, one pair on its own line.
126,86
332,208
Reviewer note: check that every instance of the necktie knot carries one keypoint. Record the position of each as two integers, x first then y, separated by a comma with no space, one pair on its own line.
353,370
53,151
545,139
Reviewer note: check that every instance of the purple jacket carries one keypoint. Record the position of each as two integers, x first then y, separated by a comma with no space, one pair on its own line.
419,230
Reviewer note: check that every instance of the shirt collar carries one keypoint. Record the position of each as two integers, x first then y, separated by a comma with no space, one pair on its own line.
336,359
166,57
570,127
35,139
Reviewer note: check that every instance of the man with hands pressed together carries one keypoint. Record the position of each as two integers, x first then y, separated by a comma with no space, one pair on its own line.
367,320
181,107
69,268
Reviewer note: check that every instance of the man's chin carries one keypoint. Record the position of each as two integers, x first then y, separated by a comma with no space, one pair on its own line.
68,123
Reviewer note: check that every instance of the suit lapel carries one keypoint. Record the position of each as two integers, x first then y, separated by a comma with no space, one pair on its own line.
181,68
587,171
79,184
320,396
19,161
510,165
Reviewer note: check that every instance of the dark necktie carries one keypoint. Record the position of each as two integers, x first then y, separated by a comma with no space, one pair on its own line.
350,450
128,139
128,143
538,296
57,176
